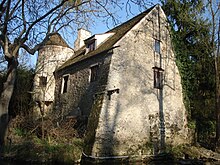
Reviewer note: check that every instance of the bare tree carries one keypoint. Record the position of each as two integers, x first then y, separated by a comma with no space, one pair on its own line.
27,24
214,8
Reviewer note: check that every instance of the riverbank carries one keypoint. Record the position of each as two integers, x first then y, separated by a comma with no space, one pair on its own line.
44,153
32,141
50,140
40,151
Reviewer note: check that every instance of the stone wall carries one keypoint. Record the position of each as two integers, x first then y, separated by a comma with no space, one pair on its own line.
140,119
50,57
80,95
128,116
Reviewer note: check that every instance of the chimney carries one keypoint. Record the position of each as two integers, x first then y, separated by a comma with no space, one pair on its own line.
82,35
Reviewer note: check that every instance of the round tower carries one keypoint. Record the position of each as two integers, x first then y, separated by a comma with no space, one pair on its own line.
52,55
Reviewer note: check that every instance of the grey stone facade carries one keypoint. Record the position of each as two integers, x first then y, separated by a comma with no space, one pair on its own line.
127,84
80,95
50,56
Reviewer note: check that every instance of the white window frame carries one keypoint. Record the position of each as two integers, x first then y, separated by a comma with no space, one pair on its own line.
91,77
64,87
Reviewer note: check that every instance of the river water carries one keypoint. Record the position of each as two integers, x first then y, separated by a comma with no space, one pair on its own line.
184,162
137,163
15,163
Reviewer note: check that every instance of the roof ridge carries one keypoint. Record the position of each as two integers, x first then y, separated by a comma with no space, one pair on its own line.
142,14
119,32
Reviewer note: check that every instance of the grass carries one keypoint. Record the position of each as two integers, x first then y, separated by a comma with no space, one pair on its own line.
38,150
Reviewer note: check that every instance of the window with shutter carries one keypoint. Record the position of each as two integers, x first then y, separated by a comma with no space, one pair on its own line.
158,77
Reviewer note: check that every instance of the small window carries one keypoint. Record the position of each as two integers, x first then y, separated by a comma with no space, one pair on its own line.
42,81
158,77
65,83
91,46
157,46
94,73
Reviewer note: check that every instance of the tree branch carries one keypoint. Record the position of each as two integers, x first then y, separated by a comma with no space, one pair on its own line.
6,17
6,48
110,14
24,20
2,4
33,50
41,18
14,9
2,8
60,16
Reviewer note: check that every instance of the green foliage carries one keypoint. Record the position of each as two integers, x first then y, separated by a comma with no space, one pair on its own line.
21,99
176,151
192,43
192,124
38,150
19,132
61,143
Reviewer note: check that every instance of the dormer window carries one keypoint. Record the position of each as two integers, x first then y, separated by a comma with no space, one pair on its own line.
94,41
91,46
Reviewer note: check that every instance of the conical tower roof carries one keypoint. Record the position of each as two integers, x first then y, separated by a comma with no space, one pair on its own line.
56,39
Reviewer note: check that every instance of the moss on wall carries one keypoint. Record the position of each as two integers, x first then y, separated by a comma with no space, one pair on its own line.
93,123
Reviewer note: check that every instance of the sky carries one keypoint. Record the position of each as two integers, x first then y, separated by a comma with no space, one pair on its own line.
100,26
122,15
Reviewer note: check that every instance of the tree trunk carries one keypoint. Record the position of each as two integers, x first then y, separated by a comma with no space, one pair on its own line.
217,81
217,112
5,98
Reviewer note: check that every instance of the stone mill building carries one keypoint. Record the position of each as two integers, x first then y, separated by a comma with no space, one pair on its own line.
126,83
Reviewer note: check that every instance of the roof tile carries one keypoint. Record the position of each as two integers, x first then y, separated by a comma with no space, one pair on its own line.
119,31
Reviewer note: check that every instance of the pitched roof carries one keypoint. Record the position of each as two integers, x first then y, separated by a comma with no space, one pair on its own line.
118,31
56,39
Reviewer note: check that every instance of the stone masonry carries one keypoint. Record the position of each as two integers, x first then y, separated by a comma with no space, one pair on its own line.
126,83
52,55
